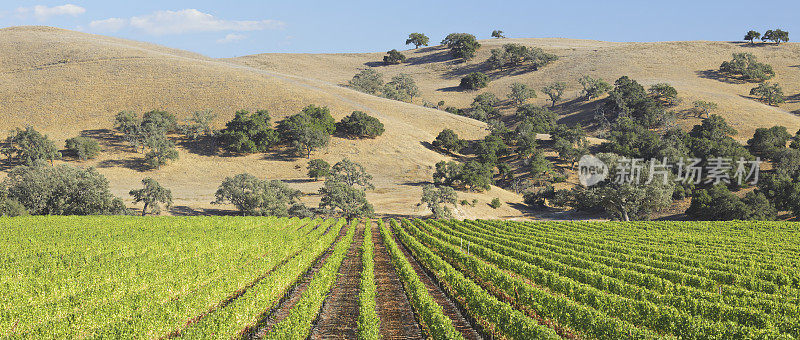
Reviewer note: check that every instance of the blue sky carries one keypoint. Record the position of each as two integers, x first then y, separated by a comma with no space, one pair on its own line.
235,28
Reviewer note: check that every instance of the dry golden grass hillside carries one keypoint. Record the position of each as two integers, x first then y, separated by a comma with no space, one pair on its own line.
67,83
688,66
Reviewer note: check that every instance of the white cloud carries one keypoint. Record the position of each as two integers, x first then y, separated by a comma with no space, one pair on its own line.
231,37
108,25
185,21
42,13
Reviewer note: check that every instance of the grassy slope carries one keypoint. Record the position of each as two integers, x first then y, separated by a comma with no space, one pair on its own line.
688,66
67,83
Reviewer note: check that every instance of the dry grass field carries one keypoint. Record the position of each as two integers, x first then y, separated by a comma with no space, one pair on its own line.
68,83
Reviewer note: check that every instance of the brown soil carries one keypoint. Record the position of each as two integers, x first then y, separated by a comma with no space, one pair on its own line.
449,307
291,297
339,316
392,306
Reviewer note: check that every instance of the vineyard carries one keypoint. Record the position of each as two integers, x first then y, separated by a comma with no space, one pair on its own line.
290,278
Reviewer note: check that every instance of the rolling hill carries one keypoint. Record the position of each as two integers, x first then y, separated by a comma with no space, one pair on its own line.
67,83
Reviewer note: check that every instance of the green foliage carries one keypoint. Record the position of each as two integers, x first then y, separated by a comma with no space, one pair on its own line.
490,149
318,168
158,122
777,36
766,142
417,39
448,140
61,190
521,93
437,199
720,204
308,130
498,34
247,133
161,152
252,196
367,81
516,55
752,35
345,189
593,87
150,132
486,102
402,88
746,66
664,93
199,125
702,107
11,208
630,99
771,94
30,147
555,91
536,119
83,147
394,57
359,124
368,321
129,124
461,45
152,195
474,81
495,203
538,198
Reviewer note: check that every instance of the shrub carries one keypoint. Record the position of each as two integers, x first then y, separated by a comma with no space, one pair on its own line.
318,168
359,124
746,66
402,88
11,208
474,81
394,57
61,190
247,133
418,39
82,147
462,45
252,196
495,203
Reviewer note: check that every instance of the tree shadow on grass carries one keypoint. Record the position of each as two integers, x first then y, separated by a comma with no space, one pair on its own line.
133,163
107,138
718,76
203,146
182,210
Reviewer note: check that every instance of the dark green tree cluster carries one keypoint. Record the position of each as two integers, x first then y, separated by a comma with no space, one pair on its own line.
777,36
29,147
629,98
318,168
83,147
447,140
768,142
718,203
536,119
462,45
249,133
360,125
474,176
474,81
512,56
745,66
60,190
772,94
664,93
402,87
308,130
394,57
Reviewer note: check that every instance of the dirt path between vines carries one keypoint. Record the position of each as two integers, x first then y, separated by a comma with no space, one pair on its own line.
449,307
339,314
391,302
292,296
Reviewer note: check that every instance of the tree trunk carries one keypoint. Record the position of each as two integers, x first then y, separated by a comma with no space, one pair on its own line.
144,209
